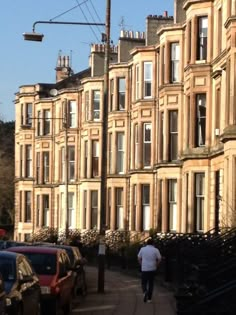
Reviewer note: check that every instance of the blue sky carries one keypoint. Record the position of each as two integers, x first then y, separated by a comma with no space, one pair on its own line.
23,62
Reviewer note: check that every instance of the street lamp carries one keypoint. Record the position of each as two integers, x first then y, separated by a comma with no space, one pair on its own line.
38,37
33,36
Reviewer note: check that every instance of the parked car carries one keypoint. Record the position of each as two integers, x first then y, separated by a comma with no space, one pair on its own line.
53,268
2,297
77,266
6,244
21,284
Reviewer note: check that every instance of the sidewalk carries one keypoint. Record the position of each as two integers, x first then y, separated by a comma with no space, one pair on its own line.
122,296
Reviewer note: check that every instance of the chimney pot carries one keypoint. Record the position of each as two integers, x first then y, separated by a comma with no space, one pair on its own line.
165,14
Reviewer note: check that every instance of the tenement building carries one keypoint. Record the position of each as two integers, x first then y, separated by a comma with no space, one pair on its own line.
171,136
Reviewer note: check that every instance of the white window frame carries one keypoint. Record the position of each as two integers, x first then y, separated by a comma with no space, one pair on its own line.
120,208
72,114
147,79
71,209
147,148
120,138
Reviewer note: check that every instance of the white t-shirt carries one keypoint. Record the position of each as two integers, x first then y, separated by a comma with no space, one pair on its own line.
149,255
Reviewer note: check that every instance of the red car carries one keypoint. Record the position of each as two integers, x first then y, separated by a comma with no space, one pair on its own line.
53,269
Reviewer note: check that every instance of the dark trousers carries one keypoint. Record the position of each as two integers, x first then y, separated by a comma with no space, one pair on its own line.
148,282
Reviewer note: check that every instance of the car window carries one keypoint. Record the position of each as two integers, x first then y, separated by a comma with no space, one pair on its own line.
23,269
62,266
28,267
77,254
43,264
67,261
7,269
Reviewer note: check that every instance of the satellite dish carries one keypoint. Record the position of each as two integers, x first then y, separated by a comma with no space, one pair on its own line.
53,92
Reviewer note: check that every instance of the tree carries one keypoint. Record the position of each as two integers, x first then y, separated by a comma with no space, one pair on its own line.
7,130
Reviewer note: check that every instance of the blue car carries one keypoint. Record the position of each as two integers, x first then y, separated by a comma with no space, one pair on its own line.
21,284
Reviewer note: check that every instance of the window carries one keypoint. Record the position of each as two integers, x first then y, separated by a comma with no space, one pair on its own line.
21,160
87,106
119,209
22,114
28,120
109,204
163,64
120,152
172,204
201,119
96,105
85,209
147,144
217,108
45,167
111,94
71,204
63,164
134,214
219,26
136,146
173,127
72,114
95,158
145,207
39,123
46,122
189,51
86,159
121,94
147,79
94,208
199,201
202,38
71,163
174,56
161,149
28,167
137,83
28,206
110,153
20,206
46,221
38,167
38,210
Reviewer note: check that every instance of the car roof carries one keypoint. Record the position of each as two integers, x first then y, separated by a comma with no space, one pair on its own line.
35,249
8,254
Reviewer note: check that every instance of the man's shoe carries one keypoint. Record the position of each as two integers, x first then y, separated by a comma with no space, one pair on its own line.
149,301
145,297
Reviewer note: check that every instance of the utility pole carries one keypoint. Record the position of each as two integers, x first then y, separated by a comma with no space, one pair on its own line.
103,187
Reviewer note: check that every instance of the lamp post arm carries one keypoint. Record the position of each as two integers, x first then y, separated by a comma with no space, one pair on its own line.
67,23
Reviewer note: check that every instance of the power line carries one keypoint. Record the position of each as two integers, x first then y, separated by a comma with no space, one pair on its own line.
87,21
59,15
92,17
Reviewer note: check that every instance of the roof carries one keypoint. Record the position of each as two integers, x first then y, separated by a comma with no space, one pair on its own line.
7,254
34,249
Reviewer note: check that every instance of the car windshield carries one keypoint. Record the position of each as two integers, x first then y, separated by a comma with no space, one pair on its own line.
43,264
7,269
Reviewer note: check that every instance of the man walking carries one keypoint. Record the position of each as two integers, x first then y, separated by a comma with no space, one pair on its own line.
149,258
